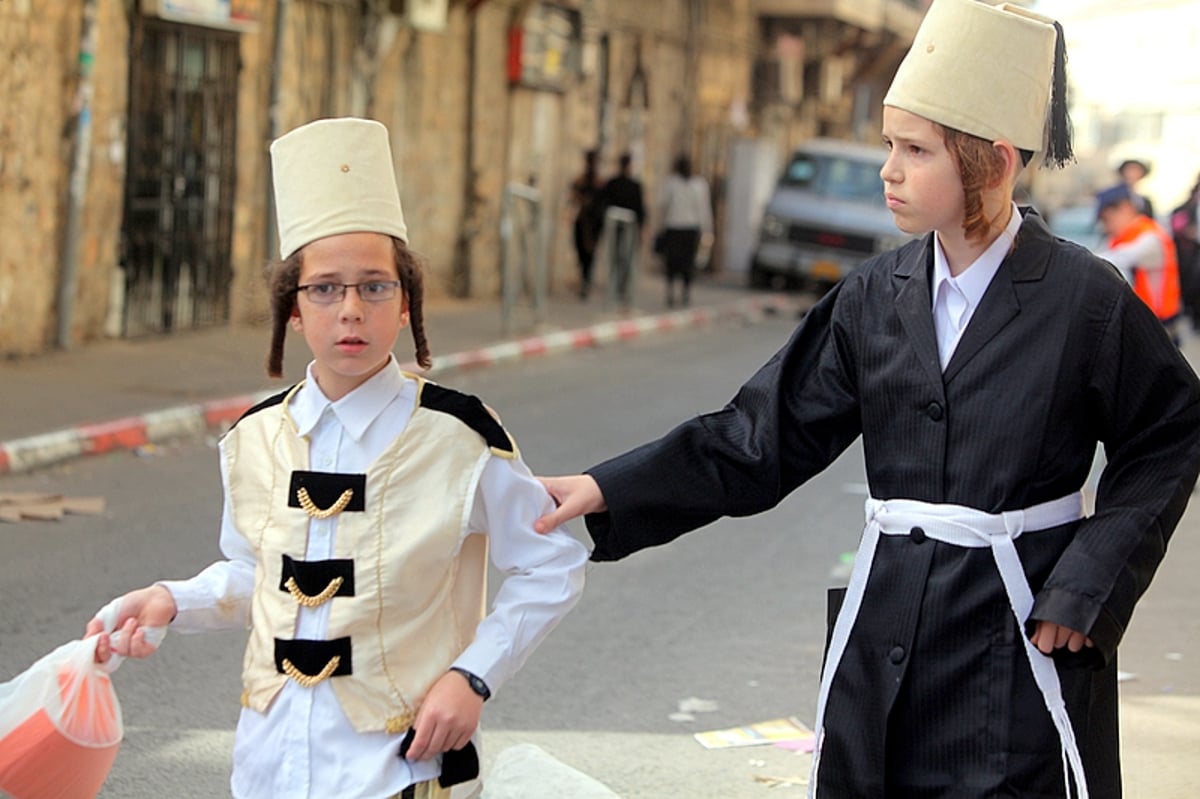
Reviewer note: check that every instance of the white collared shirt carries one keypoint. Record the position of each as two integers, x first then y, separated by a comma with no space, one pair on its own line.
955,298
303,747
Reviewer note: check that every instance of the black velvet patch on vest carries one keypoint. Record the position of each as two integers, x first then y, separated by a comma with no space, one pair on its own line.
469,410
324,489
274,399
314,576
311,656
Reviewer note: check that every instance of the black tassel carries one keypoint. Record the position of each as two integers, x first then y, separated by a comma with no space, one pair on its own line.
1058,149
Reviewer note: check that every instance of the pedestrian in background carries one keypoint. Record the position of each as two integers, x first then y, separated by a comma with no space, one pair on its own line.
974,654
1132,171
1143,251
686,208
1187,250
360,508
588,221
623,191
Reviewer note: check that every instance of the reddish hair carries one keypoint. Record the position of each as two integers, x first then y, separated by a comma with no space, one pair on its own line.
980,166
285,278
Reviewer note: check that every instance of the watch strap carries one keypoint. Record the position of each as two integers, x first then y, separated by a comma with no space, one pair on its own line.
475,681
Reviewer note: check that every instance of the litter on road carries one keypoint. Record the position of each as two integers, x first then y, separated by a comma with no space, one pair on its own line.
30,506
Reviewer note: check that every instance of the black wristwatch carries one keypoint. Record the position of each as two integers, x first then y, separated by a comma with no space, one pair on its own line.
476,682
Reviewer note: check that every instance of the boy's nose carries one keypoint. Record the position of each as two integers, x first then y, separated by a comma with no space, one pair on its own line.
352,304
888,172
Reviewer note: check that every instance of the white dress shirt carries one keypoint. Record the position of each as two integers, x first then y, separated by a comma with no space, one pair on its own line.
304,747
955,298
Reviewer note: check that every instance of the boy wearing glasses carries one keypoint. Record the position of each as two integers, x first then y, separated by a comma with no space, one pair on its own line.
360,507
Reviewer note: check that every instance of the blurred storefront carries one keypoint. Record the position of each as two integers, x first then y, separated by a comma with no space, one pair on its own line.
134,174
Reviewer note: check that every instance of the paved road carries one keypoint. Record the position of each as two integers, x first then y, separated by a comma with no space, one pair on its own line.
731,615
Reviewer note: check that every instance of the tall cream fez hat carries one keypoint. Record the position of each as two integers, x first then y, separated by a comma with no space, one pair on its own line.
996,72
334,176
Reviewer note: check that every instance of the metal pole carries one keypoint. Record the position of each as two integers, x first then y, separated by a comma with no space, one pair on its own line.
270,228
514,275
77,186
508,281
537,231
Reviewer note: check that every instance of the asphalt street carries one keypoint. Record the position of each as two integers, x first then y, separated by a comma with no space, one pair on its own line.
727,622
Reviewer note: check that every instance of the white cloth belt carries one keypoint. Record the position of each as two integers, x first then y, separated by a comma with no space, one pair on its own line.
964,527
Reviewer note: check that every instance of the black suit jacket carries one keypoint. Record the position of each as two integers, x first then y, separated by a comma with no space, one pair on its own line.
934,691
623,192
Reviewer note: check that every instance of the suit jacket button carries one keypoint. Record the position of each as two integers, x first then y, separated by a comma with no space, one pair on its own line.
935,411
917,534
896,655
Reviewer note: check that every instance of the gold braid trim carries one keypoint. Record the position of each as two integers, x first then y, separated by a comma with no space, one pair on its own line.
398,724
312,510
313,601
309,680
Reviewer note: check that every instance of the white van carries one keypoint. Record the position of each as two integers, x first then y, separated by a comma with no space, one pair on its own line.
825,217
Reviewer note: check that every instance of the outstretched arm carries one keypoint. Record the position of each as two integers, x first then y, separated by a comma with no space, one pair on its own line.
788,422
140,610
215,599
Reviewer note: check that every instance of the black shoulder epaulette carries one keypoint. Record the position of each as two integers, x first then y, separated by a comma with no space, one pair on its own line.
471,411
274,399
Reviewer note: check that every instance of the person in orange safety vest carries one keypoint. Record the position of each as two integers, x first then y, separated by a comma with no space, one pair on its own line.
1143,251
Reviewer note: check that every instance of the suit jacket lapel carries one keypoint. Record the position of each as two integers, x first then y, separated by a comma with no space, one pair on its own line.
1000,305
913,305
997,308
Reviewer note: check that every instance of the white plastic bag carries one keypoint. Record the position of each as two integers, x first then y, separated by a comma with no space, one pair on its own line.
60,722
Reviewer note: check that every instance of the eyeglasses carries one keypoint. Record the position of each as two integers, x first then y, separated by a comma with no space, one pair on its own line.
369,291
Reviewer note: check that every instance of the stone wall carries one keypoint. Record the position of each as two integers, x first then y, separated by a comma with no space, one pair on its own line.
39,47
31,150
461,133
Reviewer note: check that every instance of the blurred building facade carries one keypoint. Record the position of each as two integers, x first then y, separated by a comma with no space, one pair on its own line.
1134,93
134,178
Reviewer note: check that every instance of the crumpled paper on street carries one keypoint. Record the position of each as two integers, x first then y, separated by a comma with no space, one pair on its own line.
36,506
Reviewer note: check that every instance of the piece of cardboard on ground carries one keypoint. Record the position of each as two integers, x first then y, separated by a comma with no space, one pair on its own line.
27,497
35,506
788,730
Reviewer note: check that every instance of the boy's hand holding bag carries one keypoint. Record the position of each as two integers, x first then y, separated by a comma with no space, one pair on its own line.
60,722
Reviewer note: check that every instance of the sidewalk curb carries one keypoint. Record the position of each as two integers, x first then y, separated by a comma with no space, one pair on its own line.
46,449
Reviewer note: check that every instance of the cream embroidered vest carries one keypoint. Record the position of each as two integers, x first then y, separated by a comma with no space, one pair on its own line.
419,581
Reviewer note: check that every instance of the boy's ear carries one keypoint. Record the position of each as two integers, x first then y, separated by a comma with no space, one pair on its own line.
295,320
1012,159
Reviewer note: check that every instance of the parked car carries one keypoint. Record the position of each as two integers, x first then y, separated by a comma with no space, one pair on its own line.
1078,223
825,217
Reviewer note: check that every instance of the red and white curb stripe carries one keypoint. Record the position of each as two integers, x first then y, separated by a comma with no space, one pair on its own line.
26,454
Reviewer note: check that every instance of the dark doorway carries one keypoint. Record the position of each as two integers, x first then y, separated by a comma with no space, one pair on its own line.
178,225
